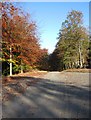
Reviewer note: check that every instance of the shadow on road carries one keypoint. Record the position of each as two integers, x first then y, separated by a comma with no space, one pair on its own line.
47,99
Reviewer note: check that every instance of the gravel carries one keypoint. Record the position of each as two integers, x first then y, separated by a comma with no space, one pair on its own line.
56,95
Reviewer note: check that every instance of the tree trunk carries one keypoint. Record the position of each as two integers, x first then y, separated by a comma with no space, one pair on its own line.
21,67
80,57
10,61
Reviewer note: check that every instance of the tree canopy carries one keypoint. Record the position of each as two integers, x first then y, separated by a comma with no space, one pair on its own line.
20,41
73,41
21,48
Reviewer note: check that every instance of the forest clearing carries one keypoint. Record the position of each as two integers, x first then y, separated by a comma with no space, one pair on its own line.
45,72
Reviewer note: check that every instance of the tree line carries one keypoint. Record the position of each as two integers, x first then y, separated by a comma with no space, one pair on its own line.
21,49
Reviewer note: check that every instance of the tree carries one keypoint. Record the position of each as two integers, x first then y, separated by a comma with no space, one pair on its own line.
89,53
43,60
73,42
19,34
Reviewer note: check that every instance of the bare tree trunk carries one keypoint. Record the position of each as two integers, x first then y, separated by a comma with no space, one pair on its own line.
21,67
80,57
10,61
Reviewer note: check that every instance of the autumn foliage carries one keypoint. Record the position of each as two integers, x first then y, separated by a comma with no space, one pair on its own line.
19,33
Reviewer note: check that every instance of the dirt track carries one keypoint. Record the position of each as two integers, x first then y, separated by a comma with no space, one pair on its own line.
56,95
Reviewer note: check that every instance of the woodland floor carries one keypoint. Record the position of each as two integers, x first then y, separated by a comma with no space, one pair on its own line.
47,95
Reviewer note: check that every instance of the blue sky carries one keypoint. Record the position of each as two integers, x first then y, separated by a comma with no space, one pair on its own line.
49,17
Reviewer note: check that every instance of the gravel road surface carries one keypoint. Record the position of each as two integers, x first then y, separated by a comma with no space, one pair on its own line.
56,95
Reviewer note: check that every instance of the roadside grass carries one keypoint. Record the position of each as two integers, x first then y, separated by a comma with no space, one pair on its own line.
27,74
79,70
32,73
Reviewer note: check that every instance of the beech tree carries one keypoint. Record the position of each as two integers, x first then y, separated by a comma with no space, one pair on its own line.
20,42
